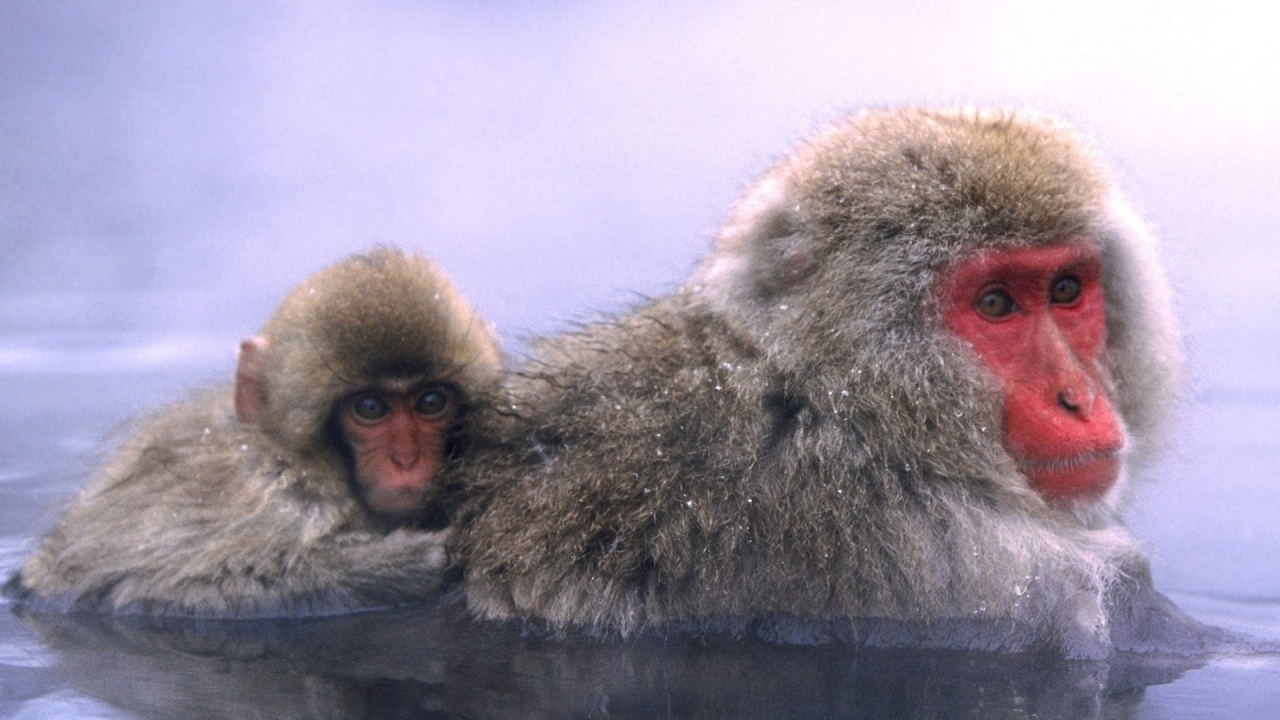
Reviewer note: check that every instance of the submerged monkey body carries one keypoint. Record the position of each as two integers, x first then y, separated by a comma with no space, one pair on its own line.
755,494
793,437
262,531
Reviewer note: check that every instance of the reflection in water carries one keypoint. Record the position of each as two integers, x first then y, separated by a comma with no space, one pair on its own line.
434,662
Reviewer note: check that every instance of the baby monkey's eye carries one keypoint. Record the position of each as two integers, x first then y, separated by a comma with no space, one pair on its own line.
432,403
369,407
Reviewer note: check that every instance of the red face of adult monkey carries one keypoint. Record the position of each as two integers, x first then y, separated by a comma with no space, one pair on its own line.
282,495
1037,319
805,441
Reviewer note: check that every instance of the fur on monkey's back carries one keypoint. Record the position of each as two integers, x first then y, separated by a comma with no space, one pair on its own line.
679,475
196,514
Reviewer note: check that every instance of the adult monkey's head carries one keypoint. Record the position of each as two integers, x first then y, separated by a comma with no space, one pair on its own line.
979,269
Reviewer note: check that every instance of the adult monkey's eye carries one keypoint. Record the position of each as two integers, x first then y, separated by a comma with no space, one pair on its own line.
995,304
1066,290
432,403
369,407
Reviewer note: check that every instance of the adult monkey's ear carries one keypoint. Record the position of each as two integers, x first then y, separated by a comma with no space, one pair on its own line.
763,250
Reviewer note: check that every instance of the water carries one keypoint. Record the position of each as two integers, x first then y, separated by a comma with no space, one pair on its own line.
433,663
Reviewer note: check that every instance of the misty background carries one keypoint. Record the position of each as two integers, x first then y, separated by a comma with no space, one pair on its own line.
169,169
